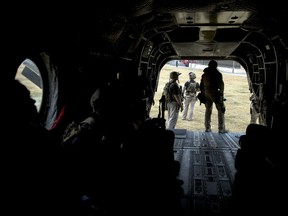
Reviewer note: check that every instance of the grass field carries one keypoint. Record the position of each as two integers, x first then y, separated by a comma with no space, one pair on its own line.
237,102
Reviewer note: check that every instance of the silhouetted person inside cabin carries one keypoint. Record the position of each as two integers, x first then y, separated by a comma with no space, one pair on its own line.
30,169
259,181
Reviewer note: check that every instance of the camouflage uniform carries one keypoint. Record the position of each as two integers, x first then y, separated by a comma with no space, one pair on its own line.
255,110
174,106
190,96
213,87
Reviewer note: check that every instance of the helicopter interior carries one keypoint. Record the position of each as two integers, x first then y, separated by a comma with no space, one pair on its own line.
78,47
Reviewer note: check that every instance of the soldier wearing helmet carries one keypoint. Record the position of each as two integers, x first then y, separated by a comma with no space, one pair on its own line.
212,86
174,104
191,87
174,75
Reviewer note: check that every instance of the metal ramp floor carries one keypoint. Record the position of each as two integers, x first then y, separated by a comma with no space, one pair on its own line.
207,170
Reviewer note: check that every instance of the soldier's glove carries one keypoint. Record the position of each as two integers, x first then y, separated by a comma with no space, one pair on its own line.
181,107
221,99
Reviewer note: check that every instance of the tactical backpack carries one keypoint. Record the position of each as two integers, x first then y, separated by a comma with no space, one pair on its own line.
166,92
166,96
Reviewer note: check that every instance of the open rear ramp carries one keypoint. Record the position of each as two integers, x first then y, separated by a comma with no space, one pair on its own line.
207,170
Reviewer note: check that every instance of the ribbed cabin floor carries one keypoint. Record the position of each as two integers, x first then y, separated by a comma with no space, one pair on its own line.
206,169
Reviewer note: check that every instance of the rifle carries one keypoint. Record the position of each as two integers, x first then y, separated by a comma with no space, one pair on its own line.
162,105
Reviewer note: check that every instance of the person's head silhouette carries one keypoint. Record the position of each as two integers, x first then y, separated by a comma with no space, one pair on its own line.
212,64
20,106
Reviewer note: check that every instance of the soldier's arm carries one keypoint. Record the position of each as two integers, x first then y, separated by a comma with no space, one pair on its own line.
184,88
178,99
221,84
197,87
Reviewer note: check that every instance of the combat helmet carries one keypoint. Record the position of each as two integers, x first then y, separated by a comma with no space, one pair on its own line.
174,75
192,75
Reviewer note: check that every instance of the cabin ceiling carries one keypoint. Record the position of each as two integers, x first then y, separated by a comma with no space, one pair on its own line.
193,28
